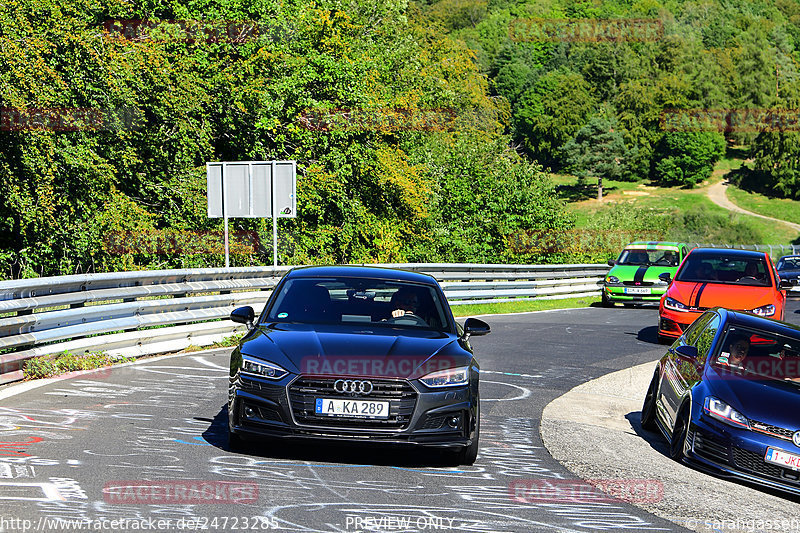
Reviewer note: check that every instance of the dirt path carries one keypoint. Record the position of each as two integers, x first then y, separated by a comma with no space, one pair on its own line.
717,194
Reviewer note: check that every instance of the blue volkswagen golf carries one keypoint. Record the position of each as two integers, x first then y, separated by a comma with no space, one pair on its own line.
727,396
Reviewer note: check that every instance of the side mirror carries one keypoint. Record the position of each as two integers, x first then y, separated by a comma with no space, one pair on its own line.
473,326
686,350
785,284
243,315
611,262
665,277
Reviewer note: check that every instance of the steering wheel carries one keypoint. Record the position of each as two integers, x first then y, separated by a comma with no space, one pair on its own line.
409,318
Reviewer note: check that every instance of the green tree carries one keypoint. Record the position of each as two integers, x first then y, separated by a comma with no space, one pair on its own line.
552,112
686,158
597,151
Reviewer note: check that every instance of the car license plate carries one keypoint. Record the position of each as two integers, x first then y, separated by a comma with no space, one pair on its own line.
786,460
352,408
637,290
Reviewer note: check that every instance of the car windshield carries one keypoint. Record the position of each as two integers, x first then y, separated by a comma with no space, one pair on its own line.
643,257
708,268
789,263
761,354
349,300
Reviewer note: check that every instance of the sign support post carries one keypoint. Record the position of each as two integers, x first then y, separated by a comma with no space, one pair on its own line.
225,217
274,209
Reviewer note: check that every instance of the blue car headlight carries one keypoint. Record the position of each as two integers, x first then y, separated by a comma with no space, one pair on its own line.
451,377
675,305
262,368
716,408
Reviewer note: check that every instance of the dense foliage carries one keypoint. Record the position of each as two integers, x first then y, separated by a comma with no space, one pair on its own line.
157,100
422,129
562,64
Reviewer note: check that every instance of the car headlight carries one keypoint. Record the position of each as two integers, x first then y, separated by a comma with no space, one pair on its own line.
447,378
723,412
262,368
612,279
675,305
764,310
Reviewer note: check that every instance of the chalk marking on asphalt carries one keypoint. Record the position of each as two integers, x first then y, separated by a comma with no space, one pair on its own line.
209,363
525,392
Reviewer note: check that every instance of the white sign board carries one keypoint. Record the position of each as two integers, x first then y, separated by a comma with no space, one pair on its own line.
252,189
246,187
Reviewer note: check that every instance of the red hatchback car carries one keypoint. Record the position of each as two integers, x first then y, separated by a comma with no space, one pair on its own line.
741,280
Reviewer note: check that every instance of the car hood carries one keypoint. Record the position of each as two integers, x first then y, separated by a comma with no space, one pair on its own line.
640,273
346,351
788,273
765,400
706,295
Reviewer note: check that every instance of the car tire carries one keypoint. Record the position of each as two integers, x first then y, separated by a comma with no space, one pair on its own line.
677,444
648,417
468,454
663,339
605,302
235,441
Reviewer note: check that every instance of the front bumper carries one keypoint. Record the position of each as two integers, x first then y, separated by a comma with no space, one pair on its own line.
739,453
417,415
673,323
618,293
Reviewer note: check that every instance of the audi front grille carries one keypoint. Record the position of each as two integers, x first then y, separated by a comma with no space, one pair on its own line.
304,391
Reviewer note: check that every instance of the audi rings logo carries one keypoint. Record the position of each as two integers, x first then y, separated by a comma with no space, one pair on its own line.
796,438
352,386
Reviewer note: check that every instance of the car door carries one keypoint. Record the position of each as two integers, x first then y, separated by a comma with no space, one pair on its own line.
679,374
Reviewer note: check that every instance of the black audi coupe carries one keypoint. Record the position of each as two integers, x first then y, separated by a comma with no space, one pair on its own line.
355,353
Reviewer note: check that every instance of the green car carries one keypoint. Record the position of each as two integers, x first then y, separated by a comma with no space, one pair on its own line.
633,278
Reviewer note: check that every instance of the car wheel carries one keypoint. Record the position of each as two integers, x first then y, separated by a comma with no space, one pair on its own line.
677,444
648,417
468,454
605,302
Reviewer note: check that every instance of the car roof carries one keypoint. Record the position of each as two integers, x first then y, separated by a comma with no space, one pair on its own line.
740,318
790,256
644,244
727,252
359,271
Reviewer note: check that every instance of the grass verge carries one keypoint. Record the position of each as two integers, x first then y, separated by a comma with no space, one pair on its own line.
781,208
47,367
227,342
522,306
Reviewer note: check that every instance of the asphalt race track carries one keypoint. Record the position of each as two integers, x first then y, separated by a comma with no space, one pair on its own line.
142,447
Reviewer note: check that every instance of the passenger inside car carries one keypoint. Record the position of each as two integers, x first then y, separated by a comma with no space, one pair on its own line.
638,258
738,348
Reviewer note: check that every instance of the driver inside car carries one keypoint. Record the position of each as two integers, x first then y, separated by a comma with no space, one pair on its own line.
404,302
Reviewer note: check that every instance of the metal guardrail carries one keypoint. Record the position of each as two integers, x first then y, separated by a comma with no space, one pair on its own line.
142,313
